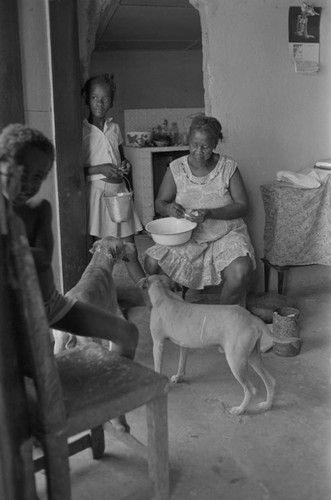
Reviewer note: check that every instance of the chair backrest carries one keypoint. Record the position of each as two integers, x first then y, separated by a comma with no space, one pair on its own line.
36,351
16,464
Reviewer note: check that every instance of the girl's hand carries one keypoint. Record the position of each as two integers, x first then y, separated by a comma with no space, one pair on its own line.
110,170
176,210
125,167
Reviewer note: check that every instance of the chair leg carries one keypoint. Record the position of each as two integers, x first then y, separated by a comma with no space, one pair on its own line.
158,458
57,466
28,470
280,281
266,275
97,442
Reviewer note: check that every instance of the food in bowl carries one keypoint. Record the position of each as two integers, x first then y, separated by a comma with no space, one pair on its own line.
138,139
189,214
170,231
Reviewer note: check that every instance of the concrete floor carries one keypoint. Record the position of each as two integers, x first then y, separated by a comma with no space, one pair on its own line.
282,454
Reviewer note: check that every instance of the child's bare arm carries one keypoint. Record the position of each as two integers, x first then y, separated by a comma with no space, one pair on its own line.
41,239
86,320
126,166
109,170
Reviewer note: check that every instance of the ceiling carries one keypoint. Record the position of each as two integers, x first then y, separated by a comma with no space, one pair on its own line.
149,25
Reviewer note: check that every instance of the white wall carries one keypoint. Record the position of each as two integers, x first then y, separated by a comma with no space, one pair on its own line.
37,93
151,79
273,118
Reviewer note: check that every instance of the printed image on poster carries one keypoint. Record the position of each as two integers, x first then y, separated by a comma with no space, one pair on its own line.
303,24
304,37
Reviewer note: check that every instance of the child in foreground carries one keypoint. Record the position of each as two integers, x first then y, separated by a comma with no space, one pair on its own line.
105,165
28,150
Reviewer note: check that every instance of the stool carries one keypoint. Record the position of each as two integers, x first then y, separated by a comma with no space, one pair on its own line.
281,273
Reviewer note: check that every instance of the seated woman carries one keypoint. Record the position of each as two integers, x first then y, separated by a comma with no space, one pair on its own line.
208,189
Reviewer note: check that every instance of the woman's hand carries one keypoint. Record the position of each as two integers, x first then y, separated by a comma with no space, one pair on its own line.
196,214
176,210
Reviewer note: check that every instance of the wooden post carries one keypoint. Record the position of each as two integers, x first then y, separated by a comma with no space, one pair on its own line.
11,95
68,138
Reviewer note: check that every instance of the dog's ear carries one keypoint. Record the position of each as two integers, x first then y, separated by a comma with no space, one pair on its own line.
110,246
167,282
173,285
95,246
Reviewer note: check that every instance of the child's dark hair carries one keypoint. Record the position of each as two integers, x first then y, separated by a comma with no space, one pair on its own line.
209,124
106,78
16,138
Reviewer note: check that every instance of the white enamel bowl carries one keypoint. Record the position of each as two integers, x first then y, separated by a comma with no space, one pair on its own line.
170,231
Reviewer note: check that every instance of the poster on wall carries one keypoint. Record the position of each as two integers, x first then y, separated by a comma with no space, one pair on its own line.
304,37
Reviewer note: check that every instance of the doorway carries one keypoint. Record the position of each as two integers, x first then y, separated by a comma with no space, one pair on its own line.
154,50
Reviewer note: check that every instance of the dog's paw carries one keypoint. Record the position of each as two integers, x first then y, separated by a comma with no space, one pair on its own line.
236,410
177,379
120,424
264,406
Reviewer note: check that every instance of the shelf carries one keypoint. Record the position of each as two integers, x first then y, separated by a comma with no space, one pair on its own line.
160,149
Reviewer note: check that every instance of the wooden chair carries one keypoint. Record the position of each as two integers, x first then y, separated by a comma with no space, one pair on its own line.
81,389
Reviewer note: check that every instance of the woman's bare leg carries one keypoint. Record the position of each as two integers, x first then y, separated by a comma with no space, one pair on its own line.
236,279
133,266
151,266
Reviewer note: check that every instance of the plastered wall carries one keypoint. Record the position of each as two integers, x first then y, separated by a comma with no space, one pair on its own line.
37,93
152,79
273,118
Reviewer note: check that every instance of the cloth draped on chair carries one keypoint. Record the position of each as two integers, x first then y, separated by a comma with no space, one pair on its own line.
297,224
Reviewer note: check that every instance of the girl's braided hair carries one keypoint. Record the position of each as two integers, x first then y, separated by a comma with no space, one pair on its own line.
106,78
208,124
16,138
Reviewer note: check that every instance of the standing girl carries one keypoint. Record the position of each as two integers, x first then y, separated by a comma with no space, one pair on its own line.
105,166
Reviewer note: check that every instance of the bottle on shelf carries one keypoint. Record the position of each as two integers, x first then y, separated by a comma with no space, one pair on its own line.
174,134
185,139
165,128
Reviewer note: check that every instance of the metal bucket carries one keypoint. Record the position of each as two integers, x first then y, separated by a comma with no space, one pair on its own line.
118,205
285,324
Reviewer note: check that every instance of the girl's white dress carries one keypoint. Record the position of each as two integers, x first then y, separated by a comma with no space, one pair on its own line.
103,147
214,243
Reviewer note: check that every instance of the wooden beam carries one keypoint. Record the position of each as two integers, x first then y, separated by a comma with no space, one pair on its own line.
106,17
11,95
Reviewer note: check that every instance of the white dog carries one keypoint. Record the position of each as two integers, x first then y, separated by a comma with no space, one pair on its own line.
201,325
96,286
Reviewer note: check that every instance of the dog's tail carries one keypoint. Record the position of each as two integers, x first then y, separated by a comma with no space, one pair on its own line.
280,340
